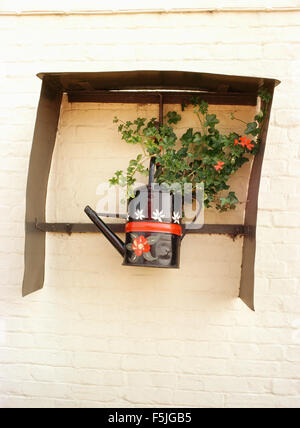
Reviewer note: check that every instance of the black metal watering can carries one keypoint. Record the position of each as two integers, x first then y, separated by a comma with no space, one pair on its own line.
153,228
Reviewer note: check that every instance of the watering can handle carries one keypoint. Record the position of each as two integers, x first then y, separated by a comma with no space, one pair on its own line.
194,219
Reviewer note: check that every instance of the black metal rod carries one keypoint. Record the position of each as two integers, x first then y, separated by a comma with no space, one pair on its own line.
107,232
151,171
218,229
161,121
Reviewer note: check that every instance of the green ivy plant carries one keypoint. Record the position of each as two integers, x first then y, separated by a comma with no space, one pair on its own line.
203,155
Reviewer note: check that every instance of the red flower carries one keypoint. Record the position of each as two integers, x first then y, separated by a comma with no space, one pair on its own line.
219,166
244,142
140,245
249,145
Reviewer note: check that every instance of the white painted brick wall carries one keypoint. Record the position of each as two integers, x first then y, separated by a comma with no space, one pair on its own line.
98,335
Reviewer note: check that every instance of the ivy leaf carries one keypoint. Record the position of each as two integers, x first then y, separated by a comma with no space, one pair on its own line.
139,122
148,256
197,139
252,129
229,202
153,239
232,197
202,105
112,181
173,117
133,258
187,138
211,121
265,95
259,117
130,192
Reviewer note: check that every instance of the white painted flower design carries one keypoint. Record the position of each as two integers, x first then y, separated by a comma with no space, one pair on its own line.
139,215
158,215
176,217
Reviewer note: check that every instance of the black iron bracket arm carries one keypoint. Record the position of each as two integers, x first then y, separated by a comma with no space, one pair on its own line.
232,230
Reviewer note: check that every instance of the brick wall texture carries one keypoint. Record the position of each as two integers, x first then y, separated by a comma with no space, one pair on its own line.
100,334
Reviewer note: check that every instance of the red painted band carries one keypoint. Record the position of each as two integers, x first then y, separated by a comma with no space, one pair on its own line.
150,226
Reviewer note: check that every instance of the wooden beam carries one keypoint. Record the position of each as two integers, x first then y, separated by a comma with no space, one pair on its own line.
249,245
37,185
141,97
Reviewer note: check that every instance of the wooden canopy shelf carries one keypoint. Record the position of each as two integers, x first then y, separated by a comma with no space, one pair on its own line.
141,87
153,97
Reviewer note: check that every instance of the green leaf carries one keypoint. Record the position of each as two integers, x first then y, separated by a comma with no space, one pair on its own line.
211,120
148,256
233,198
252,129
203,107
129,247
133,258
259,117
200,106
134,236
130,191
197,138
229,202
265,95
173,117
153,239
187,138
122,181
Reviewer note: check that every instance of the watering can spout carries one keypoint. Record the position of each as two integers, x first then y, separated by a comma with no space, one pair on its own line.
107,232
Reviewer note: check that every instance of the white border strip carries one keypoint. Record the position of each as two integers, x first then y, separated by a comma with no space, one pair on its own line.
147,11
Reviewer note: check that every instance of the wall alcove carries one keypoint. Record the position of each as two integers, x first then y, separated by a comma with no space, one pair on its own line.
142,87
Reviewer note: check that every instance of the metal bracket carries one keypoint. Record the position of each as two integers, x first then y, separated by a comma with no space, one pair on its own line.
232,230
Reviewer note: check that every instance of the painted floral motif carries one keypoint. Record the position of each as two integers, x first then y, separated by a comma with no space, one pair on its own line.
139,214
158,215
141,246
176,217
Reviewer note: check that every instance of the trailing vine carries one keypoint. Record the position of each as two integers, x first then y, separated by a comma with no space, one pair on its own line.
203,155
